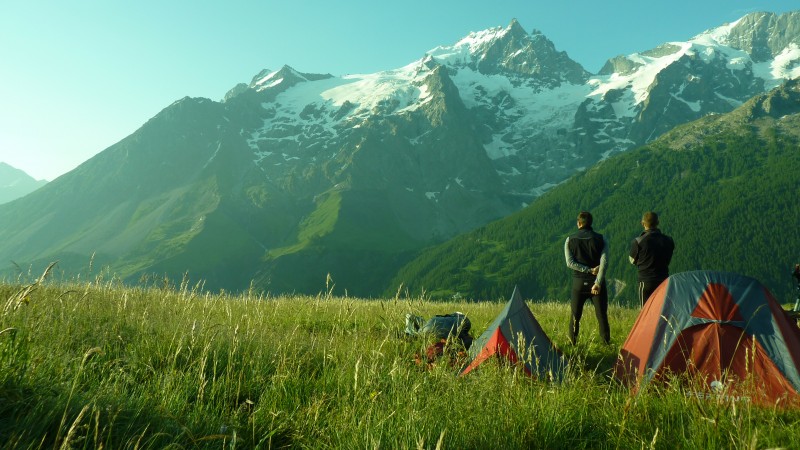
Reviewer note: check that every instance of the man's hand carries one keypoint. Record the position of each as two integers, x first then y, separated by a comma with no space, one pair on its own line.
595,270
596,289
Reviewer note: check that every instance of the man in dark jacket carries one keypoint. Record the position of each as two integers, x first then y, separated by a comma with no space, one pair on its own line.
586,253
651,253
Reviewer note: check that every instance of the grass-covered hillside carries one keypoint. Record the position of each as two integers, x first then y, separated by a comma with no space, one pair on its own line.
98,365
726,187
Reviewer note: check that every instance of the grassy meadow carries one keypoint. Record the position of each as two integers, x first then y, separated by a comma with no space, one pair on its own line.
99,365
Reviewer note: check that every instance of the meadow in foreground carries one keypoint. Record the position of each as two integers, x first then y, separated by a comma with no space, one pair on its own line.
99,365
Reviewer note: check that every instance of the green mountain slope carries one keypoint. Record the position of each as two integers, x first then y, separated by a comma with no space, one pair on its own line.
185,195
179,195
726,187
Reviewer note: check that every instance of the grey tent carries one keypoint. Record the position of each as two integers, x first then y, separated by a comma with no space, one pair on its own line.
516,335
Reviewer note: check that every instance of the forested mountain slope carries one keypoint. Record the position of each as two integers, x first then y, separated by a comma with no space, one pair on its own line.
726,187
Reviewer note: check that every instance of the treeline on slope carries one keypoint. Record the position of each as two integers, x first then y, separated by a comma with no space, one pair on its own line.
730,203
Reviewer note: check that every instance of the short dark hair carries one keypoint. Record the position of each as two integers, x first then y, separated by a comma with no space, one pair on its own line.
585,218
650,219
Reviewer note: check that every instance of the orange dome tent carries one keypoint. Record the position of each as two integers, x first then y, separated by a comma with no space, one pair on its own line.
724,330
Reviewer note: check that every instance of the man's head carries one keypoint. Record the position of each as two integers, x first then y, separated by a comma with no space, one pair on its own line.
650,220
584,219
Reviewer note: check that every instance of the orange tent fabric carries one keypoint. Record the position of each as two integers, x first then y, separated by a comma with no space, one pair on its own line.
724,330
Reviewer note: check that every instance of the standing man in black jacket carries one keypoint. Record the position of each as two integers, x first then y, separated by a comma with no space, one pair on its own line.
651,253
586,253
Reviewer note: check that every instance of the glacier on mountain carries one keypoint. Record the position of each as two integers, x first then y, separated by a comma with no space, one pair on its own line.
538,118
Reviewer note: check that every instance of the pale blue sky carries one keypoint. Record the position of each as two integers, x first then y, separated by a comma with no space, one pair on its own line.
77,76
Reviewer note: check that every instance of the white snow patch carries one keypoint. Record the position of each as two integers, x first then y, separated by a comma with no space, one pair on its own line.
370,90
716,36
416,140
498,149
288,157
461,52
786,65
694,106
514,172
731,101
531,104
626,106
219,145
272,84
432,196
527,108
266,78
641,79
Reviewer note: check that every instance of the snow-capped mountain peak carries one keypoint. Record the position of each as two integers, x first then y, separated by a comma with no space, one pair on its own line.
736,45
287,76
510,51
464,51
536,114
474,45
715,36
762,35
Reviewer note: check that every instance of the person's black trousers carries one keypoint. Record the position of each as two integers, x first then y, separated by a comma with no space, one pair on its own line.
582,291
646,288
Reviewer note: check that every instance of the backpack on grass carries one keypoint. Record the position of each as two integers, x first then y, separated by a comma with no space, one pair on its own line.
442,326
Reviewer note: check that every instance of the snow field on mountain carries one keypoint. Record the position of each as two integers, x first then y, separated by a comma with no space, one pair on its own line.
525,113
786,65
462,51
404,88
